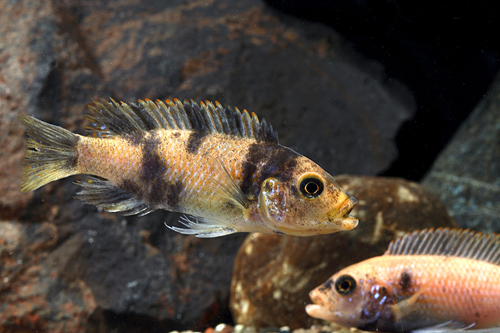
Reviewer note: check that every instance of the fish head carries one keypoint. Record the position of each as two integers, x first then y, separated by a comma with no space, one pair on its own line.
308,203
351,298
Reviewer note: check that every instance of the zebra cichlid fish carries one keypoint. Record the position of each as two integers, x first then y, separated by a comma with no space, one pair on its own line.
429,279
221,167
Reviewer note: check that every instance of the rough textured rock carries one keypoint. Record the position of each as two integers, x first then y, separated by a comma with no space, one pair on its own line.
466,176
56,56
23,74
36,292
276,273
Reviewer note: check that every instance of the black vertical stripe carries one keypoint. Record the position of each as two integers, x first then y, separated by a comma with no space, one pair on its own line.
195,140
152,176
278,162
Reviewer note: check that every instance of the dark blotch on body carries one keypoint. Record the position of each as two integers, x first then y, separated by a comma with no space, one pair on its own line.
172,194
405,281
195,140
72,162
153,176
153,167
249,169
132,188
278,161
162,192
135,138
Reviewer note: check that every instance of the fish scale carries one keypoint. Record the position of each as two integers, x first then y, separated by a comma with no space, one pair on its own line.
221,167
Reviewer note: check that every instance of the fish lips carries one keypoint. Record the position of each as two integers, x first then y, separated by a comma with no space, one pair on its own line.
317,311
321,309
323,312
342,215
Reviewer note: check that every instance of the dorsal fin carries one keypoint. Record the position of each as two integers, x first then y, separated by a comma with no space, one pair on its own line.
448,242
112,118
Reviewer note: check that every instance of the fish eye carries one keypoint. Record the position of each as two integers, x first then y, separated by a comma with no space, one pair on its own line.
311,186
345,285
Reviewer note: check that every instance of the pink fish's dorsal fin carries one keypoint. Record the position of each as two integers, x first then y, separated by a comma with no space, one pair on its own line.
462,243
110,118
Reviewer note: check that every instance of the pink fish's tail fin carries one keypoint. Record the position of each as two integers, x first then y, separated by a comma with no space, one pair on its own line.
51,153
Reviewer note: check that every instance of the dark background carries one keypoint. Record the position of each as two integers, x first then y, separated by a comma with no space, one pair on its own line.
446,54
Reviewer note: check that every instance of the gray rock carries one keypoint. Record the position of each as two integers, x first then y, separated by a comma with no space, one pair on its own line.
466,175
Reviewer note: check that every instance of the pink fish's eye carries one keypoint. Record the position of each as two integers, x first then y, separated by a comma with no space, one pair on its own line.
345,285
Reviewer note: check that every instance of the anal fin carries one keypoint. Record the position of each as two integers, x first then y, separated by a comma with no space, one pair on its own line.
453,326
107,196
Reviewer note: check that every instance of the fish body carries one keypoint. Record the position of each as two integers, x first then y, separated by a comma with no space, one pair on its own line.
425,279
223,168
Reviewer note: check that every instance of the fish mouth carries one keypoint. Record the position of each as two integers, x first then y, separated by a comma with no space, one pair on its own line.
346,207
322,312
318,311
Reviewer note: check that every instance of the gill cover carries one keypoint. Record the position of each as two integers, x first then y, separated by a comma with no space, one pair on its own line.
272,201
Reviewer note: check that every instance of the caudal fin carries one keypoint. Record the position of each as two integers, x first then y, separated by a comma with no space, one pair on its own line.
51,153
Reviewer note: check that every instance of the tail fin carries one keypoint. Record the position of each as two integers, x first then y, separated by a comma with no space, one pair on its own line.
51,153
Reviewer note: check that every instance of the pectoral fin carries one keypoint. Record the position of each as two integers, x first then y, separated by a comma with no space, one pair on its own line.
405,307
224,186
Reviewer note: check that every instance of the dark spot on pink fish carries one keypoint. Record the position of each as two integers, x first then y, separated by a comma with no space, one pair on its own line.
327,286
405,281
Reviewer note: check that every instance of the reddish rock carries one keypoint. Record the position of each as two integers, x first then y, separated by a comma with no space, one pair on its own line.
22,76
36,293
274,274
